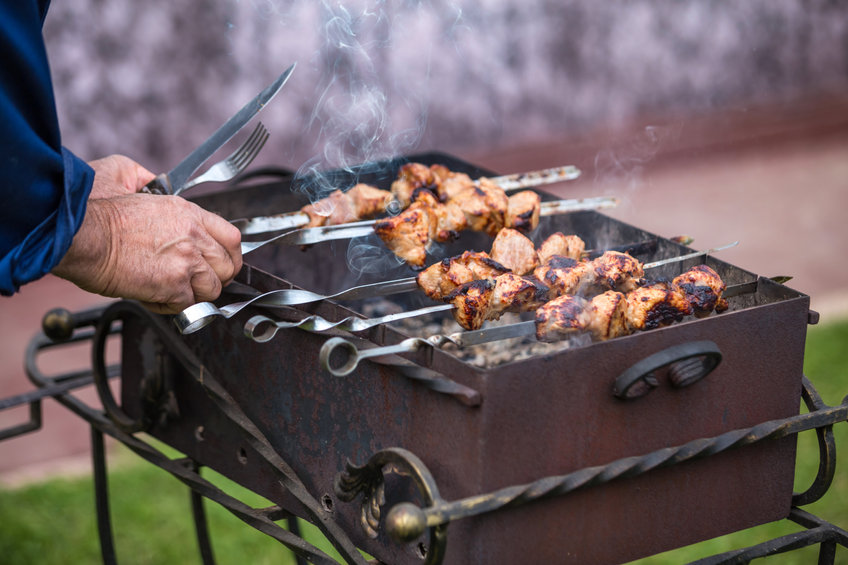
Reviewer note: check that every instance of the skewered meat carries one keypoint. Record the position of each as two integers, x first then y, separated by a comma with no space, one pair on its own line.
407,235
440,279
564,275
484,205
560,244
608,314
656,304
617,271
561,317
447,220
412,177
522,211
514,251
361,201
472,302
449,183
703,288
487,299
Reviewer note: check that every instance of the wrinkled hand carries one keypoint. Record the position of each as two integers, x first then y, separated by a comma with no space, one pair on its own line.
161,250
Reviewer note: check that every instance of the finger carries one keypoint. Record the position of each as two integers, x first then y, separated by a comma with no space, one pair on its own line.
228,239
205,285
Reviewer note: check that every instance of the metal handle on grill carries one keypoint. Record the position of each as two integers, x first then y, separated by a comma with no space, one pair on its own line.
353,355
687,363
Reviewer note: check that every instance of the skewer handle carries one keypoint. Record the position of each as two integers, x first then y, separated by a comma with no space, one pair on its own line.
337,345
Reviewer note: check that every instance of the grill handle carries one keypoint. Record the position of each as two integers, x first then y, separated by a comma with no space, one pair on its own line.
687,363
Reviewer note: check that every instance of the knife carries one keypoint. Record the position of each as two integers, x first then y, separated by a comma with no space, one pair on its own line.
169,183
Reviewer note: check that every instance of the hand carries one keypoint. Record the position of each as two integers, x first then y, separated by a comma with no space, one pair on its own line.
161,250
116,175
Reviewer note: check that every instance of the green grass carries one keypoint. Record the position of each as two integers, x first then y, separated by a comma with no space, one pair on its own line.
54,522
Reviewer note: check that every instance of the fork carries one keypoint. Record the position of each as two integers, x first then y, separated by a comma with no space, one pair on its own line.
234,164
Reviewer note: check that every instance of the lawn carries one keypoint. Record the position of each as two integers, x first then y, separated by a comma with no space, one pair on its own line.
54,522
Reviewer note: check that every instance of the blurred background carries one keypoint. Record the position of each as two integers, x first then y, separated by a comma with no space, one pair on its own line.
721,121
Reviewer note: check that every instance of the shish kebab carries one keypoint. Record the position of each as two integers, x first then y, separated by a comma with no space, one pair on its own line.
488,294
363,201
436,281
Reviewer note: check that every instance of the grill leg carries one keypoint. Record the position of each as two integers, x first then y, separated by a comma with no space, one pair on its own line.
101,497
201,526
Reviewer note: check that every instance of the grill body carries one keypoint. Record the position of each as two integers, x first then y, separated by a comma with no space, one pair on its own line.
544,416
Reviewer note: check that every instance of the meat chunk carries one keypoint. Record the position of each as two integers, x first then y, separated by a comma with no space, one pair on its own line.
337,208
471,303
440,279
522,211
617,271
515,251
608,315
369,201
449,183
407,235
562,317
564,275
560,244
514,293
703,288
656,304
412,177
484,206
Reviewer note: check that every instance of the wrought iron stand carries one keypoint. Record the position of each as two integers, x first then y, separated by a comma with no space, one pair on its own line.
405,521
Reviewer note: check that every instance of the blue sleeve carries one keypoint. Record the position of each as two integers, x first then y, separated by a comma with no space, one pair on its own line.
43,187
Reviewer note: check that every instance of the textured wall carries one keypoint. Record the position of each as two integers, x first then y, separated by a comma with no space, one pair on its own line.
152,79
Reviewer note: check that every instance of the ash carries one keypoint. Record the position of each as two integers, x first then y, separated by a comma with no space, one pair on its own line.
485,355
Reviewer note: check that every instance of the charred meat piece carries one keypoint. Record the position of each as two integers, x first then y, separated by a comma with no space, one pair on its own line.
560,244
412,177
703,288
449,183
440,279
446,220
407,235
514,293
522,211
617,271
564,275
608,314
368,200
656,304
562,317
484,206
515,251
471,303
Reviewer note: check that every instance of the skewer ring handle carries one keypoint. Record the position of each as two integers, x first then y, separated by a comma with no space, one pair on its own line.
339,345
196,317
687,363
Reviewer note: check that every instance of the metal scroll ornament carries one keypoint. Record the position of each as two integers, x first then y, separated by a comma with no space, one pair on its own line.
405,522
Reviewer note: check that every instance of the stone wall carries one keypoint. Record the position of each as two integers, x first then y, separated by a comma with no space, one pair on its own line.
377,77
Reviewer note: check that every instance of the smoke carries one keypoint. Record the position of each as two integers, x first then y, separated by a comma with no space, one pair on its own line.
623,163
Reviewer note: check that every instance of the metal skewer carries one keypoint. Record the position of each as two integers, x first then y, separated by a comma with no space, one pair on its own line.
310,236
198,316
288,220
462,339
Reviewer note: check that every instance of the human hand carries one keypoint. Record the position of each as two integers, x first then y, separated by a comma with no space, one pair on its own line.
116,175
164,251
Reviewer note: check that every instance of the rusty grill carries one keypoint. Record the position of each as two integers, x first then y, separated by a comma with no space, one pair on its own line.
425,457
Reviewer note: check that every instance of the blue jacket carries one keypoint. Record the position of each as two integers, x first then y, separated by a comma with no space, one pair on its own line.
43,186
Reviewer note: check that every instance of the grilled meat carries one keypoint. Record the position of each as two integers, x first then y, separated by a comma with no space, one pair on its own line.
617,271
562,317
361,201
472,303
487,299
407,235
449,183
411,178
484,205
564,275
703,288
608,314
560,244
440,279
522,211
515,251
656,304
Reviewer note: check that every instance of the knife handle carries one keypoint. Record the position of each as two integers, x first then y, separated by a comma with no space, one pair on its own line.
159,185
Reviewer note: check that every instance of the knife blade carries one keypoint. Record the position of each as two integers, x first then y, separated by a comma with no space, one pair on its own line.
169,183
